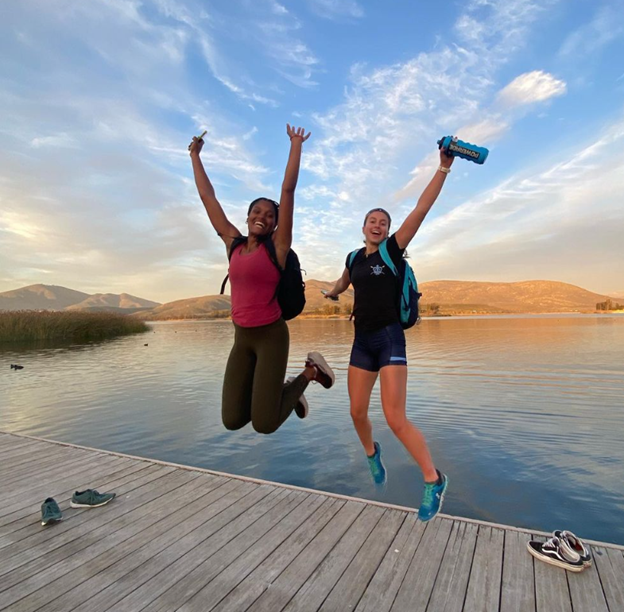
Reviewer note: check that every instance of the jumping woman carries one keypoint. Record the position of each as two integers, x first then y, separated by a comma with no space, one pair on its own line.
253,386
379,344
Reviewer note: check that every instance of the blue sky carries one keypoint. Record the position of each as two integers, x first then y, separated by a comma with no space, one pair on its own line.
99,99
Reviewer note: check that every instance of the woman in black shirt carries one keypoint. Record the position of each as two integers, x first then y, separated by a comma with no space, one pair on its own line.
379,344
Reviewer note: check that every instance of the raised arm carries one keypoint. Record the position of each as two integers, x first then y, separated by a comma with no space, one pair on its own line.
342,284
226,231
283,234
410,226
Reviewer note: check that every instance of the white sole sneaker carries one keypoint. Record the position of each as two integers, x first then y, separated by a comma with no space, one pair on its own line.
316,359
535,548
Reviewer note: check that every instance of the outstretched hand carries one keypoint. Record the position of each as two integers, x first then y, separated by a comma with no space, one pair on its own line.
196,145
297,133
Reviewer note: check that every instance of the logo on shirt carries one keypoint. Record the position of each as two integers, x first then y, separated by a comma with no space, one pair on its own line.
377,270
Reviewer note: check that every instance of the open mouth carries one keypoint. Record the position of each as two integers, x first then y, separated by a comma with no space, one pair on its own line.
260,224
375,232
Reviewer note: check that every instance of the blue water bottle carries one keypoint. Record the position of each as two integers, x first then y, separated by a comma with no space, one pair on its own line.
459,148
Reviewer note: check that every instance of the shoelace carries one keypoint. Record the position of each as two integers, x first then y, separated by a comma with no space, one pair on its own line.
428,495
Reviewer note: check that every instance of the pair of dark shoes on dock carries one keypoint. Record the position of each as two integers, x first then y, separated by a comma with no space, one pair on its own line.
90,498
564,550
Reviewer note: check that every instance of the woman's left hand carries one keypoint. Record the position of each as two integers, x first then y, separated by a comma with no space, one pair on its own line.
294,132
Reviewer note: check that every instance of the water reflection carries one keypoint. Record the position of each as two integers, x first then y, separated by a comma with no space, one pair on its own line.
525,414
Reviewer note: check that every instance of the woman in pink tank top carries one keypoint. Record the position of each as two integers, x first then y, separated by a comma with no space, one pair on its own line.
253,386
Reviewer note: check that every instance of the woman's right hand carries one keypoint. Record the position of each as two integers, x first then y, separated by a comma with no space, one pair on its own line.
196,146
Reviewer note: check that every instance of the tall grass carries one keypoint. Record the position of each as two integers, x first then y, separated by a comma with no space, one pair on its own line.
27,325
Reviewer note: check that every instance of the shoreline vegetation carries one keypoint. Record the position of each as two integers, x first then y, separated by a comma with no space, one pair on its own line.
32,325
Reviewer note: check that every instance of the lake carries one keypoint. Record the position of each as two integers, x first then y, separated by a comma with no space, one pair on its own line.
524,414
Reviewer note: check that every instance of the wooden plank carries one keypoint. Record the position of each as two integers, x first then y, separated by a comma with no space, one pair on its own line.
84,527
195,504
79,481
236,572
45,482
133,583
518,584
25,521
416,589
12,446
610,566
352,584
449,590
66,574
17,451
382,589
484,584
192,592
261,578
28,457
300,569
552,593
586,590
324,578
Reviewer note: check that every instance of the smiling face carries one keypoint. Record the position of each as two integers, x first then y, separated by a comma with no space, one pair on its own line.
376,227
262,219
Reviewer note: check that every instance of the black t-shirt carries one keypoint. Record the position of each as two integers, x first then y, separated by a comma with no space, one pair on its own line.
376,288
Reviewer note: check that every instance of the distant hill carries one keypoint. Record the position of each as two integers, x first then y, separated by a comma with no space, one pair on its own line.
192,308
53,297
521,297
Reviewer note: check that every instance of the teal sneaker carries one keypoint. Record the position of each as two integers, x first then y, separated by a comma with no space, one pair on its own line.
433,497
376,466
90,499
50,512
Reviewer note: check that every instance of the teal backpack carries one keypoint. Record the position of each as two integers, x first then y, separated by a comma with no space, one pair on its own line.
407,293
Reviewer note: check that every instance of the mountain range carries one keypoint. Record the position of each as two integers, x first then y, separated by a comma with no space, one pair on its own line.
439,297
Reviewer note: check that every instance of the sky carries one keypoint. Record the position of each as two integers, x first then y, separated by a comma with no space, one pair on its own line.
99,100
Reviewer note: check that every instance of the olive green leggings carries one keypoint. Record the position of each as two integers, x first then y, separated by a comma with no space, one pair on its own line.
253,387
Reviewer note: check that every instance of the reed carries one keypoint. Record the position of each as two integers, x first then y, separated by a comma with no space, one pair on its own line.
27,325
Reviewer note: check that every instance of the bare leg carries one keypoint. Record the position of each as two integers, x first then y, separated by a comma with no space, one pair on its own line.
393,397
360,383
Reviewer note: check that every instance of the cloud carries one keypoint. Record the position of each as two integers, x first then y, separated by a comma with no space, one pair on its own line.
604,28
529,88
337,9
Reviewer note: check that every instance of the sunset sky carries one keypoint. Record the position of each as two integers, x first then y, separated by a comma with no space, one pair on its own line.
99,100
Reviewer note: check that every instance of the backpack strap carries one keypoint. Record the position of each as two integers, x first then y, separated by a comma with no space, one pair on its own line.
236,242
351,259
383,251
270,246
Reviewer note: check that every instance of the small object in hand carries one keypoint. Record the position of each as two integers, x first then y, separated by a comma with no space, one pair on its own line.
145,345
451,145
199,138
331,297
14,366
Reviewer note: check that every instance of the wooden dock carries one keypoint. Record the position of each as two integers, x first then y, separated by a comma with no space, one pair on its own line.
181,538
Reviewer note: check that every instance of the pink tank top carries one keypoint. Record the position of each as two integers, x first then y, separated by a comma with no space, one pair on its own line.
254,279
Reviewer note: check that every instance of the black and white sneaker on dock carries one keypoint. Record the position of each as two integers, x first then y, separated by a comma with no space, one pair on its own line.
575,544
552,552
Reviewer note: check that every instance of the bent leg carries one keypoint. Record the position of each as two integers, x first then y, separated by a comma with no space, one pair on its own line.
360,383
393,398
237,386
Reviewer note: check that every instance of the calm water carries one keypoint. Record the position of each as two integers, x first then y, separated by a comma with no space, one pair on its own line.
526,415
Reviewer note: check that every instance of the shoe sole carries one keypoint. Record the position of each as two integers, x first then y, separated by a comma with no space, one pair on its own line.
323,367
441,503
555,562
52,521
75,505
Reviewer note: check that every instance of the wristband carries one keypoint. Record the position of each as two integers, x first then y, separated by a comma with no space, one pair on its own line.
445,170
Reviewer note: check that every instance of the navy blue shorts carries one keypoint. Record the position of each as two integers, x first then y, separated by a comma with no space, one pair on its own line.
374,350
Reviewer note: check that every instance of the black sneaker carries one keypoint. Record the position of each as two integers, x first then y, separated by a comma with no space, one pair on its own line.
552,552
50,512
575,544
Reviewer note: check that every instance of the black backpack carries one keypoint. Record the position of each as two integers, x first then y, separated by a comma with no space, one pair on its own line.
291,288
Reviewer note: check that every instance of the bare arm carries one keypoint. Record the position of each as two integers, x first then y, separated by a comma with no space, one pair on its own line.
226,231
414,220
283,234
342,284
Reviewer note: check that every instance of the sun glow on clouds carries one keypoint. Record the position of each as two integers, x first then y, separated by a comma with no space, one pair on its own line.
95,178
